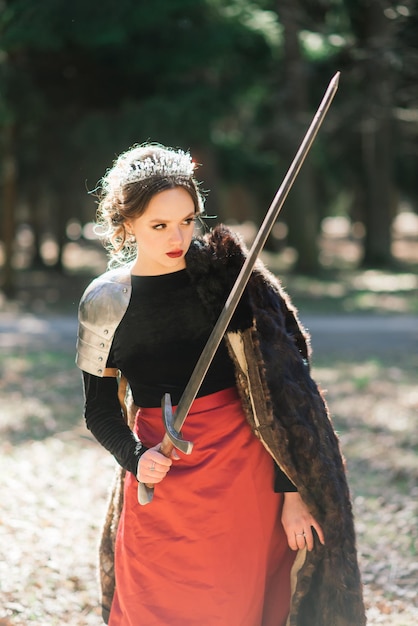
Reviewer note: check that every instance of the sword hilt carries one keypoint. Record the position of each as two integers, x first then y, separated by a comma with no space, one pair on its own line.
172,439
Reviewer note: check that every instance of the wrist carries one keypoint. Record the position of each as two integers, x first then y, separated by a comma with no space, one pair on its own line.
291,496
139,452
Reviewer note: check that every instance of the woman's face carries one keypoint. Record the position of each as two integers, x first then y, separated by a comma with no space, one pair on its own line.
163,233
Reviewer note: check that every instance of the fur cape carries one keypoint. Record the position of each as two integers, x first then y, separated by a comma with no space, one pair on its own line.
288,413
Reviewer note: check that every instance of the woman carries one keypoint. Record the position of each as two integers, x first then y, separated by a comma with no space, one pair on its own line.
255,526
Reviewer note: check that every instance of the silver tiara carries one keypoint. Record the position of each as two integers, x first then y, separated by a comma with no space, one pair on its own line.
128,169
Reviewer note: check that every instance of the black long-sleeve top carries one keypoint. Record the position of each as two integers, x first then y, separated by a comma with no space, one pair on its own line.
156,347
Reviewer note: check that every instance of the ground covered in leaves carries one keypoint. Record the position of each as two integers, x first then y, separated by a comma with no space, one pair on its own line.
55,477
375,406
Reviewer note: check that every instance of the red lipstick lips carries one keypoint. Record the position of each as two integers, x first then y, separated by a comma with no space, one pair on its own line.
175,254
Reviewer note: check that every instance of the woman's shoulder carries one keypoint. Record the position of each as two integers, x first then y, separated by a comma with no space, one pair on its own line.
110,292
226,249
226,245
222,240
101,309
221,246
114,279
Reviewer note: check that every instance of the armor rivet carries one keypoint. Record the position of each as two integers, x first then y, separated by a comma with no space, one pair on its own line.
106,332
125,289
100,358
99,371
102,345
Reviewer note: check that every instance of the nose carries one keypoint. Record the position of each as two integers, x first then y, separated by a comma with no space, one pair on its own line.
176,236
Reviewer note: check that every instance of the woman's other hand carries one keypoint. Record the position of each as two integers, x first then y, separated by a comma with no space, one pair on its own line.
154,466
298,523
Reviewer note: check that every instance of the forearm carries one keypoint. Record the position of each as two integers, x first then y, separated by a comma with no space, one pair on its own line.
105,420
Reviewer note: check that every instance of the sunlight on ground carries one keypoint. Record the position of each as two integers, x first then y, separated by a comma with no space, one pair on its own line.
375,408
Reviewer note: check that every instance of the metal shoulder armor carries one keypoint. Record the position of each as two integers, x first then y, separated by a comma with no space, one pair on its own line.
101,309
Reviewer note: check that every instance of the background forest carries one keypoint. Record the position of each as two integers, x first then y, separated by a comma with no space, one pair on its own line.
237,82
234,81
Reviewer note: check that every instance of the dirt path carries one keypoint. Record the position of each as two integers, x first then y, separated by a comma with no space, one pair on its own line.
362,335
345,334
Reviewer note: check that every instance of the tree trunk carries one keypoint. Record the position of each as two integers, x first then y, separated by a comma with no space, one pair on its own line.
378,165
301,210
9,208
377,134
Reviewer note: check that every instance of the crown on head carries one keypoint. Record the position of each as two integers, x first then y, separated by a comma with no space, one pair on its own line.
129,169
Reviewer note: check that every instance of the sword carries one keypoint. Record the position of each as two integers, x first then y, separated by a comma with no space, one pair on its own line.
174,422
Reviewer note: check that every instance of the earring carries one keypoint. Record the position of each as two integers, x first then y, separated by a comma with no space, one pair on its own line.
130,237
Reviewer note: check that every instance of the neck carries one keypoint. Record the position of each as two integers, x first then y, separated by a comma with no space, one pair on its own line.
143,269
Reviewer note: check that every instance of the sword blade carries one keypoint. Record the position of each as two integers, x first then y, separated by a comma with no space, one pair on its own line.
231,303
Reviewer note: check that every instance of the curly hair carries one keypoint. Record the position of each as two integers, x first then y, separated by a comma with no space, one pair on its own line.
125,191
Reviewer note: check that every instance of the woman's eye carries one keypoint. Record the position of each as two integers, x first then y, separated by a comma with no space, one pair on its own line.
159,226
189,221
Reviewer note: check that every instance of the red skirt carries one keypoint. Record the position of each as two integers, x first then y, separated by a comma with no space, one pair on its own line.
210,548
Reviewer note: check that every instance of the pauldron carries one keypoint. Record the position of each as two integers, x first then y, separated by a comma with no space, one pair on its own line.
101,309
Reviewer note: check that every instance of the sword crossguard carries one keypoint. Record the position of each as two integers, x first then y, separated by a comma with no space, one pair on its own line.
175,437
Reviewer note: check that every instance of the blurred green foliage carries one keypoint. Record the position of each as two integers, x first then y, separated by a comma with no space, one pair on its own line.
235,81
